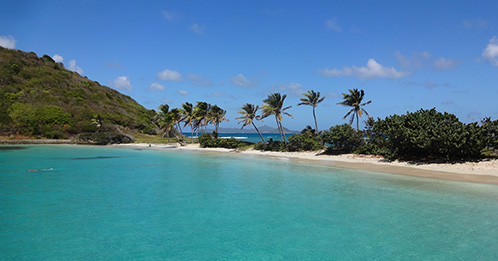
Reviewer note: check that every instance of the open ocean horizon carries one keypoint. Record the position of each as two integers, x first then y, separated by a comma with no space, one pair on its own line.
249,137
65,202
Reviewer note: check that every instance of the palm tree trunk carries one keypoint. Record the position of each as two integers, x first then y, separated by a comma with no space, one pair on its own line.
357,122
283,133
316,124
258,132
191,134
279,129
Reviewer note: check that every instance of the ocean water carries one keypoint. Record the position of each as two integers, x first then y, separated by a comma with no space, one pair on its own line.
78,202
250,137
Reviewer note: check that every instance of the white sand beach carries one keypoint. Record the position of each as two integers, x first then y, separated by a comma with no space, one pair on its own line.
479,172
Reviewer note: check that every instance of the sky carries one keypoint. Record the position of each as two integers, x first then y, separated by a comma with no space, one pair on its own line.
405,55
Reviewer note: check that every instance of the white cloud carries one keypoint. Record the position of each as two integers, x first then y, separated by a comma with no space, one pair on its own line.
122,83
170,16
57,58
73,67
295,89
372,70
414,62
8,42
166,100
218,94
199,80
196,28
114,65
491,52
241,81
479,23
169,75
443,64
157,87
183,92
333,25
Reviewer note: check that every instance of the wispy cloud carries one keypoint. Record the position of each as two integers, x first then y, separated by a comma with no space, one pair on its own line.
170,16
332,24
416,61
122,83
157,87
371,71
490,54
169,75
8,42
199,80
443,64
196,28
475,23
294,89
241,81
114,65
427,84
75,68
183,92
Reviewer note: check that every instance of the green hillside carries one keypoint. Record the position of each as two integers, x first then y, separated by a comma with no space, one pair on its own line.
40,98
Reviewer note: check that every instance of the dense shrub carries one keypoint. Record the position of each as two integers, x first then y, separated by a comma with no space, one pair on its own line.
491,132
271,146
304,142
107,134
342,139
208,141
428,135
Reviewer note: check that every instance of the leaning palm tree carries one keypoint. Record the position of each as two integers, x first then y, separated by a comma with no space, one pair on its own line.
274,106
216,116
188,118
176,117
248,115
201,115
312,98
354,99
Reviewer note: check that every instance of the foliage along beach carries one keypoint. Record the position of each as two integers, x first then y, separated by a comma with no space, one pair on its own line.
41,100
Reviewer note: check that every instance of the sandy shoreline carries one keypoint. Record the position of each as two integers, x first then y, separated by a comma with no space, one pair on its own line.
485,172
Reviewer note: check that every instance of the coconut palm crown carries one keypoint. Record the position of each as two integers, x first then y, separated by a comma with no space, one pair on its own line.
249,114
312,98
274,105
354,99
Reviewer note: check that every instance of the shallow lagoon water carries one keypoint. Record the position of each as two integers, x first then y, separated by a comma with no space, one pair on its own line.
121,203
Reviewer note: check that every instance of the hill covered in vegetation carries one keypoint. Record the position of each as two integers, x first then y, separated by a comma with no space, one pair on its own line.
40,98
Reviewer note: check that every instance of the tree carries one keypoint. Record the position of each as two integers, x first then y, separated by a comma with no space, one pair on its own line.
274,106
312,98
188,118
201,115
216,116
354,99
164,119
248,113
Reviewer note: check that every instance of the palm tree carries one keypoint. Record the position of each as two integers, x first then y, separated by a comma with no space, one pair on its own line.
201,115
274,106
164,119
176,117
188,118
312,98
354,99
217,115
248,115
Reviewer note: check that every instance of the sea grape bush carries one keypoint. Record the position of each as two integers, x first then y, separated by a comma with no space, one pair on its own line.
428,135
342,138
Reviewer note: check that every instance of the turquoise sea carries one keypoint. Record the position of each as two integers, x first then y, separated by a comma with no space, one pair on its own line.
79,202
249,137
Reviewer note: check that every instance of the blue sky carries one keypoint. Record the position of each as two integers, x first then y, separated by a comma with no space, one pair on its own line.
406,55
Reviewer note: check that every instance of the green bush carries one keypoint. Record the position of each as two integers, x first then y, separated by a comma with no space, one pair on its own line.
208,141
342,139
427,135
304,142
491,132
271,146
